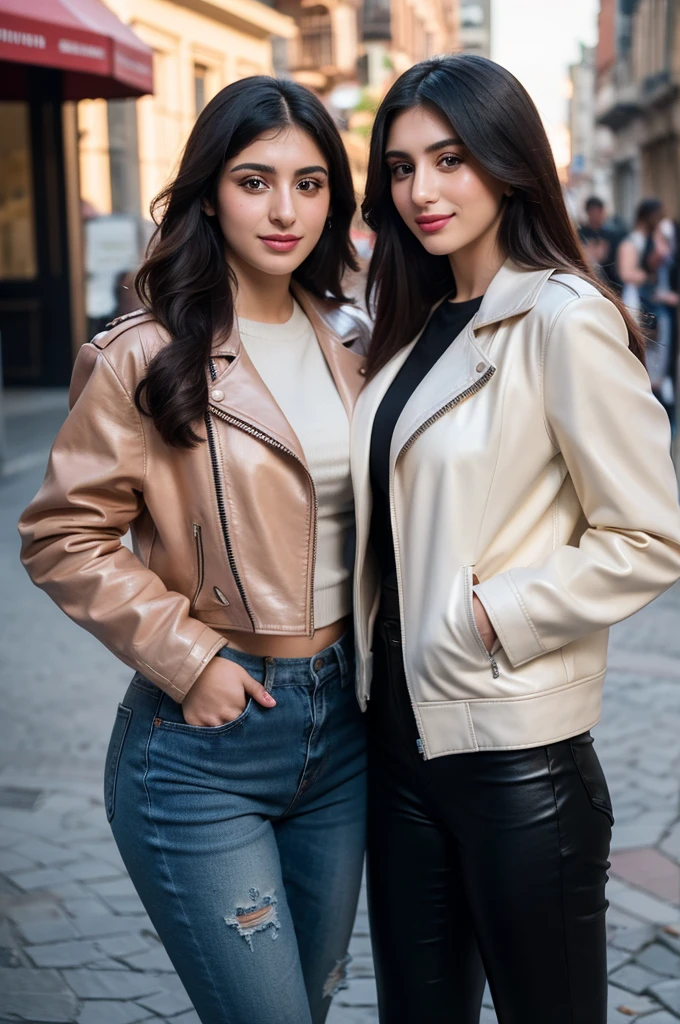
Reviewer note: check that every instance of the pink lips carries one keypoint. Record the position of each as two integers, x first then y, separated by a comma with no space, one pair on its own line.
280,243
432,223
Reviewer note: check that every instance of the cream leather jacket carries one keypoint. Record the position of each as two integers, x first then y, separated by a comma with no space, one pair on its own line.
224,534
534,459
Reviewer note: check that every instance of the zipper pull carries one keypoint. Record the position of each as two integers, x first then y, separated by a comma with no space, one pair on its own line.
495,671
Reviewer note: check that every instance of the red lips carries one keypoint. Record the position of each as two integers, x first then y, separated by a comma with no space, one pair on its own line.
431,222
280,243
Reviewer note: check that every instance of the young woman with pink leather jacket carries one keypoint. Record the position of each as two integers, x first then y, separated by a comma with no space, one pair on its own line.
214,424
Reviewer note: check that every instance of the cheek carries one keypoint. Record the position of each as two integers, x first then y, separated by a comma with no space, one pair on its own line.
312,211
237,211
401,196
477,202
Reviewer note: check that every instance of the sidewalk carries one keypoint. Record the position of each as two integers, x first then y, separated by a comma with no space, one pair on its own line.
75,942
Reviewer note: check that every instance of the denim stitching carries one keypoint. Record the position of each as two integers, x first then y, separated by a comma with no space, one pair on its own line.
167,867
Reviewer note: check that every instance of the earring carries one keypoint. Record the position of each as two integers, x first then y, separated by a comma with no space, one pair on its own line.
329,223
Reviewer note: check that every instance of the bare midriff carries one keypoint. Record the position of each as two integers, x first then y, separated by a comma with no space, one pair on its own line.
268,645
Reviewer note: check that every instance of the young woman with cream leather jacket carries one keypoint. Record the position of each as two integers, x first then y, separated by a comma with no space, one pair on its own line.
515,496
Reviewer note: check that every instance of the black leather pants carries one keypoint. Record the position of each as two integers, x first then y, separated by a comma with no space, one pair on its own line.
483,863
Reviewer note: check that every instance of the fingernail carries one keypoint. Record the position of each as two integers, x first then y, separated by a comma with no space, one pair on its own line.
270,699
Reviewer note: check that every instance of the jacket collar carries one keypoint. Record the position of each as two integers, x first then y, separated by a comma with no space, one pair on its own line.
512,291
240,392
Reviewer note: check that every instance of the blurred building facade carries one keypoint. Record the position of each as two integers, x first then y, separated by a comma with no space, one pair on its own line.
475,27
51,57
638,101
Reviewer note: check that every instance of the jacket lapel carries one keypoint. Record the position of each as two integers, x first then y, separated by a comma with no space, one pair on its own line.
239,392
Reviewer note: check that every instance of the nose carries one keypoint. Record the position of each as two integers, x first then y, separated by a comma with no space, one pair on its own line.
282,211
424,190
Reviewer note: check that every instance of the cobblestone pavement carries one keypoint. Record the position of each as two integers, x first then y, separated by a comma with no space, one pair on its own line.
75,942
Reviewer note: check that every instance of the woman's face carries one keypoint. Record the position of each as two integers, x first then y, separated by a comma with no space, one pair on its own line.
273,199
441,192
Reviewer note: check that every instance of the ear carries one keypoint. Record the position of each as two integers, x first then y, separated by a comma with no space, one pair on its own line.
208,208
508,190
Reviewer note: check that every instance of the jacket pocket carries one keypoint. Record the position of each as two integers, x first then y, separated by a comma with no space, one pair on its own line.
474,629
200,562
592,776
118,733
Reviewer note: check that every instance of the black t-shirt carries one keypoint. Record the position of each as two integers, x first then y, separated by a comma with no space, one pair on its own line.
445,324
613,238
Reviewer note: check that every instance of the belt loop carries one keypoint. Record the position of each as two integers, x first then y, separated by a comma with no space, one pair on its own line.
269,673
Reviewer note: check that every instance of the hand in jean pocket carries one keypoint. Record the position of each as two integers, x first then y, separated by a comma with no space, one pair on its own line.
221,693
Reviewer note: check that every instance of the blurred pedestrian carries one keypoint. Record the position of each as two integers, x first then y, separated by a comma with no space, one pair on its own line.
601,242
214,423
637,261
660,355
646,261
515,496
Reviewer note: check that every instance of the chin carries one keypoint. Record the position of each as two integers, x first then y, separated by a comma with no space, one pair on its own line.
277,264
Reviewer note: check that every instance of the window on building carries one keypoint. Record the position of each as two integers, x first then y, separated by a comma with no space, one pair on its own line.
18,258
200,75
316,37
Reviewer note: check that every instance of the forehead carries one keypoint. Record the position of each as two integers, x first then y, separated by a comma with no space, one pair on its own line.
418,127
282,148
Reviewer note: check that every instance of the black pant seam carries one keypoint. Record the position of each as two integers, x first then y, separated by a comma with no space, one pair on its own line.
564,922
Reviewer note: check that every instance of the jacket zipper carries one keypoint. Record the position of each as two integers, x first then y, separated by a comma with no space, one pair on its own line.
223,518
495,672
467,393
198,540
261,436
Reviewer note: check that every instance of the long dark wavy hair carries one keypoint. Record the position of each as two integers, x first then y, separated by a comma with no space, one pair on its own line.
497,121
186,282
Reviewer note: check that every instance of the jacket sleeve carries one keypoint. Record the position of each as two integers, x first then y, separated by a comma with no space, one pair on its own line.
71,537
615,441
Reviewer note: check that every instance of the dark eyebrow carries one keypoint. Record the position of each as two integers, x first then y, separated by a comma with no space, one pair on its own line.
266,169
262,168
453,141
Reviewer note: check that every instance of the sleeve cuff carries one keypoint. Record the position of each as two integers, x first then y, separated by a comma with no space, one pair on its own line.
204,650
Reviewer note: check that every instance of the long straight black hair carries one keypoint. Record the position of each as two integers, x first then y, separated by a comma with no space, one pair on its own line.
186,282
497,121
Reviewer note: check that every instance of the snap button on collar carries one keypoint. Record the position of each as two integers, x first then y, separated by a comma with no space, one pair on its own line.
217,395
479,367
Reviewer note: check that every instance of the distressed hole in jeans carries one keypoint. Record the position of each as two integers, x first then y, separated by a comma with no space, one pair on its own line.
258,916
337,979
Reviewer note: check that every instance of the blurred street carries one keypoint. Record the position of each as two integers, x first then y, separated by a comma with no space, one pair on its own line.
75,942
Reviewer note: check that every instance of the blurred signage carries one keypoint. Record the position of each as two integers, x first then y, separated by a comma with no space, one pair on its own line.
111,250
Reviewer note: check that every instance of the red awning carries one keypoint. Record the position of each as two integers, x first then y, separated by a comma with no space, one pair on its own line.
99,55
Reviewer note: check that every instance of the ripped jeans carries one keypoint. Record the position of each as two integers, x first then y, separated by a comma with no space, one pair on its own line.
245,841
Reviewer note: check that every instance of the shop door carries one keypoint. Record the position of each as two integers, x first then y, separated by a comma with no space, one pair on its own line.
35,325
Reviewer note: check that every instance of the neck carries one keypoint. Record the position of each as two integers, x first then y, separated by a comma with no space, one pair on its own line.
260,296
475,266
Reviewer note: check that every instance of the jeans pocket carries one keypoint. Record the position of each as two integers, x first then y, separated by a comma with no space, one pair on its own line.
592,776
120,728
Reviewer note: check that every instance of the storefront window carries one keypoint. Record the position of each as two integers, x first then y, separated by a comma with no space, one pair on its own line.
18,258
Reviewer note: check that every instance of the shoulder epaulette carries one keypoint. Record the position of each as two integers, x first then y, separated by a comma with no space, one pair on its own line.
119,326
126,316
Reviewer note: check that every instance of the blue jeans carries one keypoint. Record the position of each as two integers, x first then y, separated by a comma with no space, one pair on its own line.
245,841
